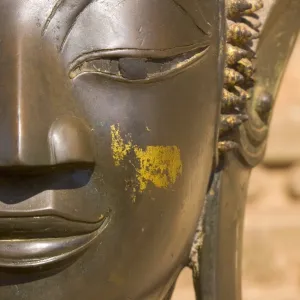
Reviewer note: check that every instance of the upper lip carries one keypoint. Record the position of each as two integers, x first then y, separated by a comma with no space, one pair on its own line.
44,227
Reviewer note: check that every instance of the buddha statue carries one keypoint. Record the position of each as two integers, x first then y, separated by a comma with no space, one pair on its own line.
129,129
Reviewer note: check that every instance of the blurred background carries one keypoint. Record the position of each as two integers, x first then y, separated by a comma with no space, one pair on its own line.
271,266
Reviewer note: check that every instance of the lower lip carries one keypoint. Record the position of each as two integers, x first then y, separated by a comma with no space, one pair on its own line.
24,253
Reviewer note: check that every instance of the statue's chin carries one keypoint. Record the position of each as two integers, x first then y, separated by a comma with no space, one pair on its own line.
27,252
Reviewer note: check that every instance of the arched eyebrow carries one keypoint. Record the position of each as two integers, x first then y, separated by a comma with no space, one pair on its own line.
193,10
52,14
76,10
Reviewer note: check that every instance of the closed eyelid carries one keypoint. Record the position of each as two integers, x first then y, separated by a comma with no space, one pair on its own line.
136,66
134,52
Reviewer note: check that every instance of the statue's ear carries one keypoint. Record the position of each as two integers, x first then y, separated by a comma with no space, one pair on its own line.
256,60
217,250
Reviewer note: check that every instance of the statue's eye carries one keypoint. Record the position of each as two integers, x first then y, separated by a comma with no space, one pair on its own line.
137,69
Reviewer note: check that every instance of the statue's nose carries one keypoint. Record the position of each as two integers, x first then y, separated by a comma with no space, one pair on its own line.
34,141
70,141
40,122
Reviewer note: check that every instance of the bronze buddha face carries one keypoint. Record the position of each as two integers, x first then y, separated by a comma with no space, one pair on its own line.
108,129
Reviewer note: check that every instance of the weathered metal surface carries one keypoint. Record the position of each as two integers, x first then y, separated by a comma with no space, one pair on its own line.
115,127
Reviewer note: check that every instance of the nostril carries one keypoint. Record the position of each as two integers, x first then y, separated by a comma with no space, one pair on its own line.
70,141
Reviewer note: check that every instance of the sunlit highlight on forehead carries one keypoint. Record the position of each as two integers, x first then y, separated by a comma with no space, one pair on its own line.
190,7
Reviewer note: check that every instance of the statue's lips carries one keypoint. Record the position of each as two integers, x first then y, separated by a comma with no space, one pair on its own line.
29,242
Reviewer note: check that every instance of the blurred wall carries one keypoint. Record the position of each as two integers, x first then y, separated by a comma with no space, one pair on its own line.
272,226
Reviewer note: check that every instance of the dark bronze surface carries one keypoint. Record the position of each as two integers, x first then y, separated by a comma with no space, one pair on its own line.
111,151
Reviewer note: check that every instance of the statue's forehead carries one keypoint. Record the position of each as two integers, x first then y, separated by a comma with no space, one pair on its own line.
85,25
191,8
82,26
